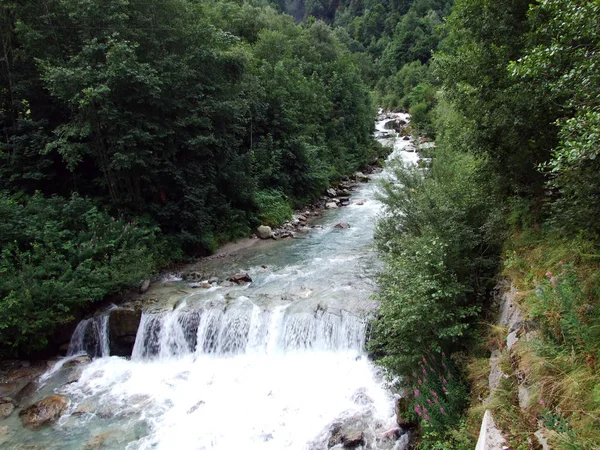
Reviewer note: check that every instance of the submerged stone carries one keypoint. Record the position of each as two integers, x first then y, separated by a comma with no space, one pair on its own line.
44,412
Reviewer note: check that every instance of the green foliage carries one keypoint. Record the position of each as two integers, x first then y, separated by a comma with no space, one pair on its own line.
438,394
440,238
57,257
273,208
562,63
567,318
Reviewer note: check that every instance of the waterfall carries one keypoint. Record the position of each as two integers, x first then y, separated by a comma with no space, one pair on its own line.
91,337
244,327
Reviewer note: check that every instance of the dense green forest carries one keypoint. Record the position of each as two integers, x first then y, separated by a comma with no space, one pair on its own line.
512,192
135,133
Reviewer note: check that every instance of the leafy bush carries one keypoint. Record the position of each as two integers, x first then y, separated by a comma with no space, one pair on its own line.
440,237
273,208
438,395
566,317
57,257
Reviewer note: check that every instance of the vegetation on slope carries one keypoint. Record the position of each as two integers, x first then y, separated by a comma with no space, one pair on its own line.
517,127
197,120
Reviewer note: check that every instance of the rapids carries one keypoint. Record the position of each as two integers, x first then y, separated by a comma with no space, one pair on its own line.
271,365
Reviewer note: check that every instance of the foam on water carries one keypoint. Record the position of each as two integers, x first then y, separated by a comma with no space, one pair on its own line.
270,365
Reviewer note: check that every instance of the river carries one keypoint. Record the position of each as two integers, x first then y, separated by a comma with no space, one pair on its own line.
273,365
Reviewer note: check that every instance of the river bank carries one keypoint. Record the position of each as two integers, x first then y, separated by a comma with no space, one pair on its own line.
296,331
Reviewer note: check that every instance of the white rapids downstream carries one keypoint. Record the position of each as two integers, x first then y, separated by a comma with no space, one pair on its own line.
272,365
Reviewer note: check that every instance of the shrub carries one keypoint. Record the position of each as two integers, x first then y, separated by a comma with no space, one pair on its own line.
440,237
273,208
57,257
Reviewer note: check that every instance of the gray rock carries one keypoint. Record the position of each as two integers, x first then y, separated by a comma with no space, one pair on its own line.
359,176
145,286
79,361
331,193
194,276
213,280
342,226
264,232
331,205
6,410
44,412
240,278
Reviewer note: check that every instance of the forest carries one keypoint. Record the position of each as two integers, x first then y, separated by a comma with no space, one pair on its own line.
135,134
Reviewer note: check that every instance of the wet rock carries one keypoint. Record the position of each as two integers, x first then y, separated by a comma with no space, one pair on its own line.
6,410
342,226
360,203
406,138
264,232
352,439
97,441
344,201
79,361
205,285
301,218
345,436
240,278
123,325
331,205
44,412
194,276
227,283
331,193
145,286
359,176
213,280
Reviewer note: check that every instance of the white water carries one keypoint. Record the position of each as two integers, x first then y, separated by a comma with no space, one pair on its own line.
268,366
91,337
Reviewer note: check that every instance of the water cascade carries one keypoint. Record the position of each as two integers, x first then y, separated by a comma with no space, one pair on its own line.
273,365
91,337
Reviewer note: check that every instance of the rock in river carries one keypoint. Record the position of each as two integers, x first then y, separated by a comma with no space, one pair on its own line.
264,232
240,278
43,412
342,226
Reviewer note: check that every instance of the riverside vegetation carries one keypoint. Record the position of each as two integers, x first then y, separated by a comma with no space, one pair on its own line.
158,130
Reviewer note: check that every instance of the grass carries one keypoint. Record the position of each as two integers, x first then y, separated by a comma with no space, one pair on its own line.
559,282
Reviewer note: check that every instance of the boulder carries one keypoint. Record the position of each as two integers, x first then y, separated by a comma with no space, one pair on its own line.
145,286
264,232
331,205
353,438
123,325
6,410
213,280
406,138
345,436
342,226
44,412
194,276
359,176
301,218
331,192
205,285
240,278
78,361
